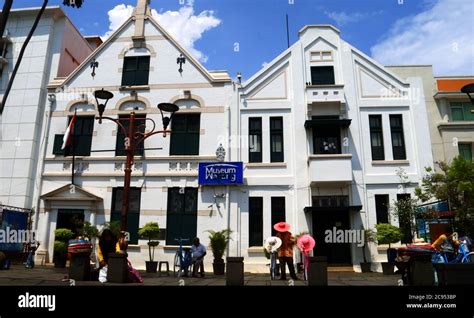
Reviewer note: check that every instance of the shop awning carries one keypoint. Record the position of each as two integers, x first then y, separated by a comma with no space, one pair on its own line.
316,209
343,123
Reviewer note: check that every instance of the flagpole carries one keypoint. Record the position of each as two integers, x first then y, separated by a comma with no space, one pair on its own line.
73,144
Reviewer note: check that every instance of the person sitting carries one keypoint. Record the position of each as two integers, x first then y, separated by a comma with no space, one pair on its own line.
198,251
108,243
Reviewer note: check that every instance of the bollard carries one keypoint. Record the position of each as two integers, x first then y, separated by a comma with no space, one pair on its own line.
80,268
235,271
318,271
117,271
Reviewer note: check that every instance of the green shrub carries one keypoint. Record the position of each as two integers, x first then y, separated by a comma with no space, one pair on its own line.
388,234
63,235
150,232
60,247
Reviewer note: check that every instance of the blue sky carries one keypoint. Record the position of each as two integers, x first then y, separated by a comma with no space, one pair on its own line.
392,31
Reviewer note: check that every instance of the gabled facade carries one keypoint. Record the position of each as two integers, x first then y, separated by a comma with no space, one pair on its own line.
138,65
328,127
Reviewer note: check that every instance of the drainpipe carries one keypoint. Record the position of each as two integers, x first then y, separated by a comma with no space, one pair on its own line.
40,169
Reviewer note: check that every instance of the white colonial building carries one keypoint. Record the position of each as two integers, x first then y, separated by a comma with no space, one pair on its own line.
138,65
327,128
55,50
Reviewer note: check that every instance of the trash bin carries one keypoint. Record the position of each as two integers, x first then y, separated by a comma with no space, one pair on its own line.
318,271
455,274
117,270
421,270
235,271
80,268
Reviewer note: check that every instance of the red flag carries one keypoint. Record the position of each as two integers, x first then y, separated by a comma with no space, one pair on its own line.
68,134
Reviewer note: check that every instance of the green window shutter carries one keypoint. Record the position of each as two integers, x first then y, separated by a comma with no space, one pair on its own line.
457,113
185,134
465,151
133,216
181,220
58,143
468,109
136,70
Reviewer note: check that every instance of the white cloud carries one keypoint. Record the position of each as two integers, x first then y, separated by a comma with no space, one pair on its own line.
183,24
441,35
342,18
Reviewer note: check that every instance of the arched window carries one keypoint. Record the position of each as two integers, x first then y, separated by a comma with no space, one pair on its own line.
82,106
132,105
136,67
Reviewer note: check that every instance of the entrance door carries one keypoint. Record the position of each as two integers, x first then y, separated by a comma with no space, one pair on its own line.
337,253
70,219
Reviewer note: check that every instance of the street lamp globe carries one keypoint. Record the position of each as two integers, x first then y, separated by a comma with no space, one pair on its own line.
102,97
167,108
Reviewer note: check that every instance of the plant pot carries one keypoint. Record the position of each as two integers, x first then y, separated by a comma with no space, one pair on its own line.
151,267
391,255
60,260
365,267
218,266
387,268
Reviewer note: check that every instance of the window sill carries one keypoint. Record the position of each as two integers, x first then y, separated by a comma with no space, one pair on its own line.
255,249
135,88
331,156
389,162
266,165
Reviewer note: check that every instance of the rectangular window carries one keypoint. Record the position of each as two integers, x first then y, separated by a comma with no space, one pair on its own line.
381,208
278,212
133,216
276,139
136,70
398,139
81,137
322,75
181,220
465,151
255,139
376,137
186,130
120,141
323,201
461,111
326,140
255,221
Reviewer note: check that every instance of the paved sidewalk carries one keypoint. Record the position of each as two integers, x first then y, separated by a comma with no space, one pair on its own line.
50,276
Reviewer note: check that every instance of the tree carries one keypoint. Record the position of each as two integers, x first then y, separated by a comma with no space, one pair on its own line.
404,208
453,183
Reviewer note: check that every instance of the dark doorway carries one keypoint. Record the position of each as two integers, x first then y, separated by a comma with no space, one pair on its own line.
70,219
337,253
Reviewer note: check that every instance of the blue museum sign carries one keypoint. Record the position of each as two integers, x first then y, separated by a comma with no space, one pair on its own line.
220,173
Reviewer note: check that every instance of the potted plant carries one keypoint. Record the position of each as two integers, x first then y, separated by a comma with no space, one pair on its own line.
388,234
369,237
219,240
151,233
62,236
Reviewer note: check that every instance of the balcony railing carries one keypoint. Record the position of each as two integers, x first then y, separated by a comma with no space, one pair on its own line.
330,168
325,93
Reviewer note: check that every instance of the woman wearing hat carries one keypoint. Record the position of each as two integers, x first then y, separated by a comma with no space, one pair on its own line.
285,253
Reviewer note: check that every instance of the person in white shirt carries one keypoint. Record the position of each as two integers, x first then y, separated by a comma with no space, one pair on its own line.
198,251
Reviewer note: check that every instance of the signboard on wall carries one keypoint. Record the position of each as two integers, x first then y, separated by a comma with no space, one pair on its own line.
221,173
